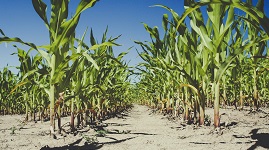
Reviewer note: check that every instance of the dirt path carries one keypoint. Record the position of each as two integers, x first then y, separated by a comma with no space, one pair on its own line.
146,131
141,129
155,132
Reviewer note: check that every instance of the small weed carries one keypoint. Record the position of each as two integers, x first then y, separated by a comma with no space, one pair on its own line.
12,129
90,139
101,133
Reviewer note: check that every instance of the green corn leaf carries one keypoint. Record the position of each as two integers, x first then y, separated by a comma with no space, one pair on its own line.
70,25
59,13
45,55
114,39
69,73
105,44
85,4
45,89
29,73
260,5
256,14
203,34
89,58
165,22
80,43
176,18
1,31
104,35
62,70
41,9
92,39
230,18
18,40
58,76
122,54
238,51
37,59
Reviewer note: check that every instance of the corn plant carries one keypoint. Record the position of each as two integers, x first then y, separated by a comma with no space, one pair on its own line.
216,13
28,76
61,32
176,56
7,101
203,54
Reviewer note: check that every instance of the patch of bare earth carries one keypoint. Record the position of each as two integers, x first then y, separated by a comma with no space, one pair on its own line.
140,128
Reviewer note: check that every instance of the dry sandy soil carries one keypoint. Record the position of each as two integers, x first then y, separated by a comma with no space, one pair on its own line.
140,128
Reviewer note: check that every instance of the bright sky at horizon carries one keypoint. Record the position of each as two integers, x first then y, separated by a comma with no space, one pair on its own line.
123,17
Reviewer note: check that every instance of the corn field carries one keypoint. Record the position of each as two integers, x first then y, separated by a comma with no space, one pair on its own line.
208,56
209,64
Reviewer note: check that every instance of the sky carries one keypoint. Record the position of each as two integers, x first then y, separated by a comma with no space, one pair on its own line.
123,17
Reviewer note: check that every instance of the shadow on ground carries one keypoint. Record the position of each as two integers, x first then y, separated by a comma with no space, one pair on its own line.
128,132
141,133
86,146
117,124
260,139
200,143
